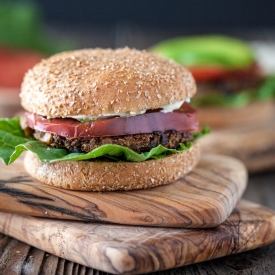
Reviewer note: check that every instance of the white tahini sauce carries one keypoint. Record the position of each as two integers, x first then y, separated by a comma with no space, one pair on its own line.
171,107
165,109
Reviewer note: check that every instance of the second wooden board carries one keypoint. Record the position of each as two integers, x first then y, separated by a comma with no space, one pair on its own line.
204,198
253,144
124,249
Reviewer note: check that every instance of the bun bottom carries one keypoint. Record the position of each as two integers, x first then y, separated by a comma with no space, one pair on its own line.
110,176
224,117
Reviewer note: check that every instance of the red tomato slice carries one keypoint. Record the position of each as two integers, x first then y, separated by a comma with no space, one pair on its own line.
208,72
182,120
14,64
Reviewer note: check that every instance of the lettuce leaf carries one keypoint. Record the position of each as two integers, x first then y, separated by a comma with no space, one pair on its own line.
265,92
13,143
223,51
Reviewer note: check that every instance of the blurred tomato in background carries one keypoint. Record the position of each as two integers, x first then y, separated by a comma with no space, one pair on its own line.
14,63
23,43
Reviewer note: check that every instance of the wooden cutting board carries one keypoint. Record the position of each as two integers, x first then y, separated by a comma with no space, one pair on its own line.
134,249
204,198
253,144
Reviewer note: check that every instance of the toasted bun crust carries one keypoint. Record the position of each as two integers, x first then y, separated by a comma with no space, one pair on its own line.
97,82
109,176
224,117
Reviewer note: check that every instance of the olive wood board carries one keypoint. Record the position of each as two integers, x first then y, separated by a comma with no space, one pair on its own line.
203,198
253,144
123,249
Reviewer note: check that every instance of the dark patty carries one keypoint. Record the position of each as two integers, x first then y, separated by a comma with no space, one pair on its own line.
229,86
138,143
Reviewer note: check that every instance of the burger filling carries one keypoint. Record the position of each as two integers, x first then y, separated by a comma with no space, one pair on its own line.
232,88
138,142
153,134
232,83
139,133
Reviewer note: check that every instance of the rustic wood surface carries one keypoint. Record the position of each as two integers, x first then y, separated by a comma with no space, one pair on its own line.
204,198
253,144
124,249
19,258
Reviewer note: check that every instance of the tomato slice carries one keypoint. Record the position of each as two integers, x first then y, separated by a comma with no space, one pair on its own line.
208,72
182,120
14,64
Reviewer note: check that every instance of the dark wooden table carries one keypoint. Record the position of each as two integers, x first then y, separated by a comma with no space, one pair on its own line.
19,258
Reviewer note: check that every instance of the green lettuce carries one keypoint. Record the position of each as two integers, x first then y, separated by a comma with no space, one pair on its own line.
13,142
223,51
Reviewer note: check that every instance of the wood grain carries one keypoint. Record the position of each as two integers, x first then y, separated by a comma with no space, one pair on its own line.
204,198
33,261
253,144
133,250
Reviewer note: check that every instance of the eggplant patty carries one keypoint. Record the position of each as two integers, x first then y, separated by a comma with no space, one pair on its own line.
138,142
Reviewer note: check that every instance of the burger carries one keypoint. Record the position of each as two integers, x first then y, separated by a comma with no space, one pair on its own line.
103,120
233,89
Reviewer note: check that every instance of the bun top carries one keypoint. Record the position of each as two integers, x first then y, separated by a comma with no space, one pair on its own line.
96,82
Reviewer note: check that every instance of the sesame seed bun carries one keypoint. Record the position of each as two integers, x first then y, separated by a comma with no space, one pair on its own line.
95,82
110,176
